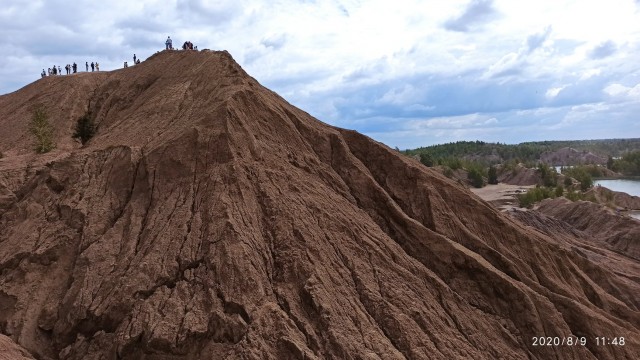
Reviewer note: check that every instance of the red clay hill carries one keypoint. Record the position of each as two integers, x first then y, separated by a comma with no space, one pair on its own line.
210,219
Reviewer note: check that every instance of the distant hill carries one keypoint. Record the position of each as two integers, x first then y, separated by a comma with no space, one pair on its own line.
528,151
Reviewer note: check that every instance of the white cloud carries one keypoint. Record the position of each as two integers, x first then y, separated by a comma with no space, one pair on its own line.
349,61
618,90
553,92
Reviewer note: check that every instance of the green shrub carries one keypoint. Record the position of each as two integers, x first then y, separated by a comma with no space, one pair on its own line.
85,129
534,195
492,175
582,175
42,130
574,195
568,181
548,175
447,171
426,159
476,178
559,190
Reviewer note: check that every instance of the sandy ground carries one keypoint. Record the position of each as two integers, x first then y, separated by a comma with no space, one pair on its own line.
501,195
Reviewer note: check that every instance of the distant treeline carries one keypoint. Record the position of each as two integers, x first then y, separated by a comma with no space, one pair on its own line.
492,153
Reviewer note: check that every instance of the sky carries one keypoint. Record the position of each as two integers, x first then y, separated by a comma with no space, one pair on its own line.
408,73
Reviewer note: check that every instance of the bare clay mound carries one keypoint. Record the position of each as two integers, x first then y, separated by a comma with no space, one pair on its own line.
210,219
622,233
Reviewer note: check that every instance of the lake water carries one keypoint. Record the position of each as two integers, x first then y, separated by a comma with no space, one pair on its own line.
631,187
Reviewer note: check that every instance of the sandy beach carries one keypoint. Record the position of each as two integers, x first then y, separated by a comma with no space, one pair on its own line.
502,196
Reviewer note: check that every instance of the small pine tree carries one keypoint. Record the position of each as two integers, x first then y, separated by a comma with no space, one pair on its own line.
85,129
492,175
42,131
476,178
426,159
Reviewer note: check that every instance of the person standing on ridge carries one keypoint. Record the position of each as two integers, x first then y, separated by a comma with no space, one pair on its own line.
169,43
86,65
59,70
97,66
75,67
134,59
93,66
43,74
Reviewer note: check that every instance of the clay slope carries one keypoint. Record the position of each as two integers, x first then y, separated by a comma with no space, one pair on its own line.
614,198
9,350
210,219
622,233
521,175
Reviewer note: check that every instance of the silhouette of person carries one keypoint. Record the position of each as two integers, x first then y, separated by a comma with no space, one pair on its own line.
125,65
134,58
93,66
55,71
169,43
59,70
97,66
49,71
43,74
86,65
75,68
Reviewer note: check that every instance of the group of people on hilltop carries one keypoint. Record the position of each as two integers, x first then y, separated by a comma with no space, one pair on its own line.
73,68
69,68
188,45
136,61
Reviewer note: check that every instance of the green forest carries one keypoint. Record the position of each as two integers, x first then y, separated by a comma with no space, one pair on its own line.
528,152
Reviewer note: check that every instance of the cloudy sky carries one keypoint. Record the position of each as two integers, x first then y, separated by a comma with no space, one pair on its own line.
407,73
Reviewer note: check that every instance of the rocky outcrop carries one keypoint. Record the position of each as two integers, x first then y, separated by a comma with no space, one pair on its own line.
211,219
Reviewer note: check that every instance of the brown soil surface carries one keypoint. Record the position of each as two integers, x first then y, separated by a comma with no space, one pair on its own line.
519,176
9,350
501,195
210,219
614,198
621,232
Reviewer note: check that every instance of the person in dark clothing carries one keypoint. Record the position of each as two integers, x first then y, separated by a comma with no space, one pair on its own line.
43,74
134,58
55,71
86,65
75,68
169,43
93,66
137,61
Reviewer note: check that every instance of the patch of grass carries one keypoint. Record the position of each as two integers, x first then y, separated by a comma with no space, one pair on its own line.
42,130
